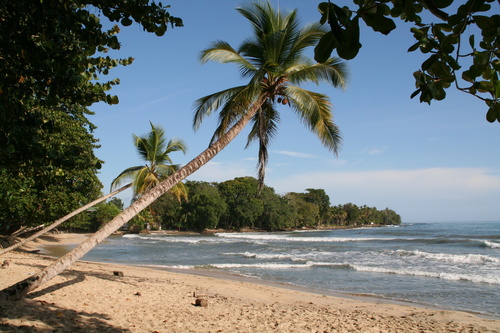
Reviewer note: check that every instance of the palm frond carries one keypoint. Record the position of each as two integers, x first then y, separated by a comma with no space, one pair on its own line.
254,53
208,104
173,145
180,192
264,129
265,125
333,71
126,175
145,180
164,171
234,109
314,109
308,36
222,52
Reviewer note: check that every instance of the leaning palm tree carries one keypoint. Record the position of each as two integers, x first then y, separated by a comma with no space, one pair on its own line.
274,64
58,222
272,60
155,150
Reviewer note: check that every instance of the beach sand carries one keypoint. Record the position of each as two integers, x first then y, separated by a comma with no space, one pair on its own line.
89,297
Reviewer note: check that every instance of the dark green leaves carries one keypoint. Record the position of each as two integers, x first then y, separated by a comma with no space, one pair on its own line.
48,47
378,22
493,112
443,41
126,21
325,47
344,34
488,25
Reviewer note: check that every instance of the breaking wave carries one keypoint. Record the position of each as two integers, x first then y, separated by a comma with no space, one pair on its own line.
452,258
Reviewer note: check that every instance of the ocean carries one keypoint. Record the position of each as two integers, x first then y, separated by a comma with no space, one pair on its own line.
445,265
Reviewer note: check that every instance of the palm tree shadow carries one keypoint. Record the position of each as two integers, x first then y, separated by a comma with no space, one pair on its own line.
80,277
47,317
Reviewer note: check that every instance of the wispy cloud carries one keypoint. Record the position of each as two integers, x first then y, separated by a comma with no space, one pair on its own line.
375,151
429,194
220,171
294,154
421,194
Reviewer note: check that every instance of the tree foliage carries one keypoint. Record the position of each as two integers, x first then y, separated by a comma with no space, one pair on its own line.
461,42
52,58
205,208
52,173
236,204
54,50
105,212
244,206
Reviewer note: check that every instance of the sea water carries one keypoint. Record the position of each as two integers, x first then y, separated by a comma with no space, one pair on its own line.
446,265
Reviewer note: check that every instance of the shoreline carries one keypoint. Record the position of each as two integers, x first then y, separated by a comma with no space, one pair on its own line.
55,245
227,293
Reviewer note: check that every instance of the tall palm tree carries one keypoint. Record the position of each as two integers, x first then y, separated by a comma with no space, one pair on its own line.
155,150
272,60
280,42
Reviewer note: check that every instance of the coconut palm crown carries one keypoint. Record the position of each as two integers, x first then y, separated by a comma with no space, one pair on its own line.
154,149
273,61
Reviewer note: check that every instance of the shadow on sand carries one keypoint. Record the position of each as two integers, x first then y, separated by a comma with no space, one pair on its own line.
31,315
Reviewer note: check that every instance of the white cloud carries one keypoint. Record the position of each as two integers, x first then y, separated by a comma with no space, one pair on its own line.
294,154
375,151
221,171
422,194
429,194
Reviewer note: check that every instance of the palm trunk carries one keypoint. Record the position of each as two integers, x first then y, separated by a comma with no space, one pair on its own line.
21,289
63,219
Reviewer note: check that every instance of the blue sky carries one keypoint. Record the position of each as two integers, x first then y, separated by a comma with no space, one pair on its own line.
428,163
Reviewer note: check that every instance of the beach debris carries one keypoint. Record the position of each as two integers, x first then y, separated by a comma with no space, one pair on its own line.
118,273
138,294
204,295
5,264
201,302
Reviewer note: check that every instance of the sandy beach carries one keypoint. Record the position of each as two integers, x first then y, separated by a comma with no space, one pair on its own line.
89,297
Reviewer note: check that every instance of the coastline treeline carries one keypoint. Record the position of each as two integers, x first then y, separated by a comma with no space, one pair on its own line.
236,205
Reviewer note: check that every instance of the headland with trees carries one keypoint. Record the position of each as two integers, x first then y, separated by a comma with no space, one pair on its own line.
234,205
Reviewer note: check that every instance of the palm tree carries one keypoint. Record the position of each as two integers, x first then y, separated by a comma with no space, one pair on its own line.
155,150
273,62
